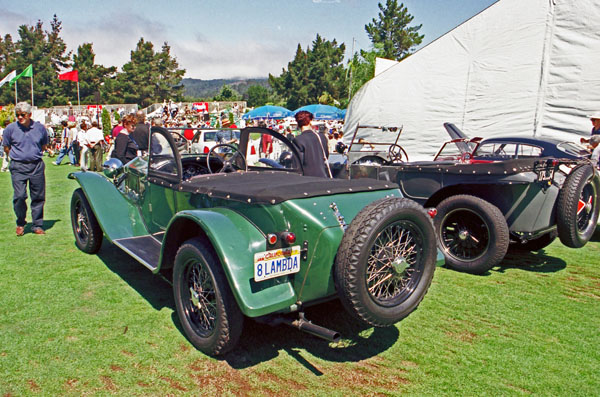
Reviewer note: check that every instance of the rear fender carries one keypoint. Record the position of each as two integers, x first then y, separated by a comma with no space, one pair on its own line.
235,241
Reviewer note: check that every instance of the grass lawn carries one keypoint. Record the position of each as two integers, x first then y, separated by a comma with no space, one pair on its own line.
73,324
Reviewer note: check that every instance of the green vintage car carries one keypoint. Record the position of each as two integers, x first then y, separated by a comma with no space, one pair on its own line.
256,238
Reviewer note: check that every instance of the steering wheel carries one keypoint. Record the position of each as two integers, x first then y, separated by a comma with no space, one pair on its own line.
396,154
465,157
231,161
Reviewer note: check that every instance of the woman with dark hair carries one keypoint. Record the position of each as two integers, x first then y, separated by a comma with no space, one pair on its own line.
313,147
125,147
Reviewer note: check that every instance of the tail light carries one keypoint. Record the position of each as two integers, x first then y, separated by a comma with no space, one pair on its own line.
252,150
289,237
206,150
272,238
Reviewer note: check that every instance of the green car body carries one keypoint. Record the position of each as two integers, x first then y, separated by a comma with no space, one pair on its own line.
150,214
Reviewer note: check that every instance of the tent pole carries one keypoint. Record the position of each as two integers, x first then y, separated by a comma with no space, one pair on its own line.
78,103
31,90
15,92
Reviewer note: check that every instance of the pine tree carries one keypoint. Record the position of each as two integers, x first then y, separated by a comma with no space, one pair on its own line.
392,30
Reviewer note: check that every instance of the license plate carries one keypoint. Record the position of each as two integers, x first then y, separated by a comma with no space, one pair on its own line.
275,263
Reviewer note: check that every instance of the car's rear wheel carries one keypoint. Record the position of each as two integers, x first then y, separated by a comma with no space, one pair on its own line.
87,231
209,314
386,260
577,207
472,233
535,244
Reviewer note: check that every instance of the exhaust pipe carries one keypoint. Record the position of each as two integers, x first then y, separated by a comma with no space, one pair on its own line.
306,326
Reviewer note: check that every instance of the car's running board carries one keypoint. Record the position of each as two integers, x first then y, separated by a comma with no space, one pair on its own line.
145,249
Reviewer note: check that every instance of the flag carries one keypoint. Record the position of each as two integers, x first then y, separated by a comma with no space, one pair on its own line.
8,78
73,75
28,72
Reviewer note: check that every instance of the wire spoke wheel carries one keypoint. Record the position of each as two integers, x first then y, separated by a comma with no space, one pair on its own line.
82,227
201,305
209,315
385,262
87,231
393,264
464,235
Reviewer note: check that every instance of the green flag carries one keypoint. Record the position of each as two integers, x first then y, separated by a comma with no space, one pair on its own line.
28,72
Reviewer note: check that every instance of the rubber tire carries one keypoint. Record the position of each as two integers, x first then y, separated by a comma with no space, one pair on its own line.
351,260
535,244
566,213
229,318
496,224
92,244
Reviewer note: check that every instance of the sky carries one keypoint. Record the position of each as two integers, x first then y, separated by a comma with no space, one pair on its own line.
213,39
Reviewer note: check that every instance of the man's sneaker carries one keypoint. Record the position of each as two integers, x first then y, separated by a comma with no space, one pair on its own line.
20,230
53,163
38,230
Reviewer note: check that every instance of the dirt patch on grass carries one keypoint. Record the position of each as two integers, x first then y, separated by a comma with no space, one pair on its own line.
173,383
125,352
218,375
33,386
366,375
108,383
71,383
463,336
115,368
288,385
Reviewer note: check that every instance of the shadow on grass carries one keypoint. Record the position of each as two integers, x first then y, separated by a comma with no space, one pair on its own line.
261,342
596,236
151,287
48,224
532,262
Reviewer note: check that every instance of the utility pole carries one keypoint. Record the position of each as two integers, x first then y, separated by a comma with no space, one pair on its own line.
351,69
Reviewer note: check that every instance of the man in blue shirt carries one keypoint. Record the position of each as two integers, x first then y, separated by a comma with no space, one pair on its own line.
25,142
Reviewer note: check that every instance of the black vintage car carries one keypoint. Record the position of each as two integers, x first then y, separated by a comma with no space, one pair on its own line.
489,194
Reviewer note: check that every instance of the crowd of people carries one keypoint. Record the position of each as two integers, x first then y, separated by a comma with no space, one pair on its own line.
81,138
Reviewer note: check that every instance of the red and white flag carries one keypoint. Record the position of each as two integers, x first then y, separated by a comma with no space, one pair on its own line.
73,75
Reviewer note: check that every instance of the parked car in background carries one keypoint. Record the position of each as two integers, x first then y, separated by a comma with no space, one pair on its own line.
490,194
259,240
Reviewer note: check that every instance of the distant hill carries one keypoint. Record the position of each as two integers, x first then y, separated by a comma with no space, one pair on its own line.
206,89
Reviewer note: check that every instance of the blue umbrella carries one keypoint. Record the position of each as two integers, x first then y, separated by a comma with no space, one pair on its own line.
267,112
322,112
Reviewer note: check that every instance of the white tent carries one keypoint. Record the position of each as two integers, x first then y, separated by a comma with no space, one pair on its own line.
518,67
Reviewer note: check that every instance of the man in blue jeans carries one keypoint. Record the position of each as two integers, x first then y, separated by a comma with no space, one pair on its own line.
25,142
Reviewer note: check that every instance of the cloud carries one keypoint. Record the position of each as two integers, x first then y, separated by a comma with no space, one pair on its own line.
115,35
245,58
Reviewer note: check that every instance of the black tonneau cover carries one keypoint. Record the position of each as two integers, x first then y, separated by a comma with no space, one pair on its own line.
505,167
272,187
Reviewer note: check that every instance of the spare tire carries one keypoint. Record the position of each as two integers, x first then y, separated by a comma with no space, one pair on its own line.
386,260
577,207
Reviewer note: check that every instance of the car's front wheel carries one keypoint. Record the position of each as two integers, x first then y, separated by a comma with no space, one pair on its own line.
472,233
386,260
209,314
87,231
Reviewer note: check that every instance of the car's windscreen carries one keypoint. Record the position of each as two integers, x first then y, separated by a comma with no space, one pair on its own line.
162,158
